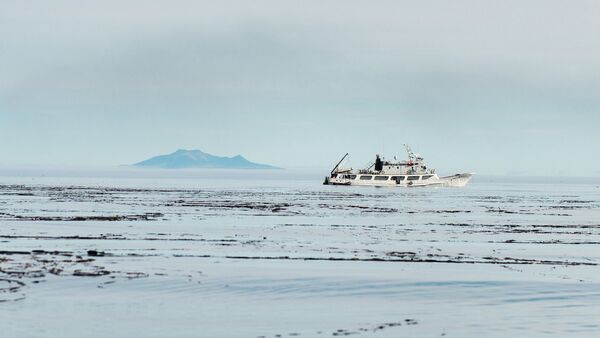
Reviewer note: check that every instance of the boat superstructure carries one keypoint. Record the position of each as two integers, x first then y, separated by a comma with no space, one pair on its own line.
409,173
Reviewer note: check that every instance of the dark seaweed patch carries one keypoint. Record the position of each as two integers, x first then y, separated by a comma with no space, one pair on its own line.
357,331
112,218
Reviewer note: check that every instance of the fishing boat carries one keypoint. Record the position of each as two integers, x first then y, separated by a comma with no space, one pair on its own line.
394,173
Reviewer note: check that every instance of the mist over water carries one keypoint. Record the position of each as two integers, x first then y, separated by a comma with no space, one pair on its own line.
93,247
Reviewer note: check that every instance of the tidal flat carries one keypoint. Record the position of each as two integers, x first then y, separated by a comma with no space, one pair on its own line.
216,257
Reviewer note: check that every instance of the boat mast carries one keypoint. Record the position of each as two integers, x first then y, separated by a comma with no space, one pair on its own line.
410,153
337,165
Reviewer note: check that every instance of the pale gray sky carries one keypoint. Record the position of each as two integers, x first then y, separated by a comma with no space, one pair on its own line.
486,86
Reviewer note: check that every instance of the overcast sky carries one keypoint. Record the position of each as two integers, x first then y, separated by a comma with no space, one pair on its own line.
493,87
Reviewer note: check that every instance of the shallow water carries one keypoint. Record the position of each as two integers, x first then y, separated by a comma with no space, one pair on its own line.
207,256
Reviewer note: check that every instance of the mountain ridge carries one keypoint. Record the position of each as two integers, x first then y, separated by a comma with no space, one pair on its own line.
183,158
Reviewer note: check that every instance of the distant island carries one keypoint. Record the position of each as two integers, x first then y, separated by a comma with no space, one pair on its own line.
182,159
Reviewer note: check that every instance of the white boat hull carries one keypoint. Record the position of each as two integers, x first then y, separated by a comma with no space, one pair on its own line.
384,173
458,180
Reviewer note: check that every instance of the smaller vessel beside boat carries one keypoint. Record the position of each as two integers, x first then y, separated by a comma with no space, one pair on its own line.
410,173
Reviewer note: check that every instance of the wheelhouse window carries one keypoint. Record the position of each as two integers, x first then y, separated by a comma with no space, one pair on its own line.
427,177
350,177
413,178
366,177
381,178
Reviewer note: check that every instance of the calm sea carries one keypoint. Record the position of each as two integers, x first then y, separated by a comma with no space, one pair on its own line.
277,254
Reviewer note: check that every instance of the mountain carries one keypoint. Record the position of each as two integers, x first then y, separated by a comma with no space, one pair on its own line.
197,159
